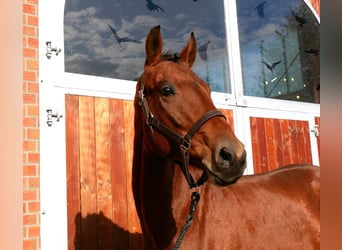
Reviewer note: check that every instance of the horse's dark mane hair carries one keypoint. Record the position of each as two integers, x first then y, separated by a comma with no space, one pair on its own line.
168,56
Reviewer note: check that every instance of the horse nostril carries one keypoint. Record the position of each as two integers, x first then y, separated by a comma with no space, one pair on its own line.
226,155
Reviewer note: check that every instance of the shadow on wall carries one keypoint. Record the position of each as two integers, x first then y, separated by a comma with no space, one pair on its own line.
96,231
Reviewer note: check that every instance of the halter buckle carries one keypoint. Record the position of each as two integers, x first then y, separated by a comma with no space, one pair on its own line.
193,190
149,118
185,143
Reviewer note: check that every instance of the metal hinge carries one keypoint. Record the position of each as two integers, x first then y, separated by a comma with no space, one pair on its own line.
51,115
50,49
315,130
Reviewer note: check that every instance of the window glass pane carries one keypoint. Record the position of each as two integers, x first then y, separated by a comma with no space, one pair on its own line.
107,38
279,43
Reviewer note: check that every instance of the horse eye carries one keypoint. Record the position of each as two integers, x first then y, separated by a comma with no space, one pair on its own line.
167,91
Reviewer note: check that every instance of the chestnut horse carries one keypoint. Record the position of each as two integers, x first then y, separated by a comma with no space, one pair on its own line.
181,140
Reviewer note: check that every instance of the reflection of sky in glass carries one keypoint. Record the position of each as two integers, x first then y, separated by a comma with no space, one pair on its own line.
274,33
92,49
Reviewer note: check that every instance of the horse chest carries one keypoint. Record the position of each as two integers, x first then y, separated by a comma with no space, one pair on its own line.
226,220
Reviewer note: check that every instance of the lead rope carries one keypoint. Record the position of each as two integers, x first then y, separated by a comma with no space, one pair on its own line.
195,197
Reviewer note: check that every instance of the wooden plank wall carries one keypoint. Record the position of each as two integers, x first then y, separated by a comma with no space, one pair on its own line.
101,211
278,142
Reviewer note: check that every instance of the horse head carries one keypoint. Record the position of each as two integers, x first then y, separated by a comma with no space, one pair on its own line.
177,98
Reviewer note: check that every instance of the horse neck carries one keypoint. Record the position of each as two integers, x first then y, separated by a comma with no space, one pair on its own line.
164,199
160,192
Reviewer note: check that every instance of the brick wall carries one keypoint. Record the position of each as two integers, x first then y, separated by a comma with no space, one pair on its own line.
31,200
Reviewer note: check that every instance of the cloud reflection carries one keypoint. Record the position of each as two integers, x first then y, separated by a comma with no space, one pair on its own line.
91,48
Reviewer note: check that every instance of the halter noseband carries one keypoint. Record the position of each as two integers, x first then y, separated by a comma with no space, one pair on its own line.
184,142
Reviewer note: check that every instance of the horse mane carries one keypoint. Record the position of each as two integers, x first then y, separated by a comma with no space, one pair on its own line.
169,56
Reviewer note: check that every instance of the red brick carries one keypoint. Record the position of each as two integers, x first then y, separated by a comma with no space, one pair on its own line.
32,20
30,195
29,9
24,87
33,1
33,206
24,232
32,42
30,170
33,87
29,75
29,31
29,145
24,41
34,231
32,110
34,182
33,158
25,182
29,98
29,53
32,133
29,122
29,219
30,244
24,158
31,64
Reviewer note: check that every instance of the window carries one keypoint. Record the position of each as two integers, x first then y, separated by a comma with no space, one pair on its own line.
279,42
107,38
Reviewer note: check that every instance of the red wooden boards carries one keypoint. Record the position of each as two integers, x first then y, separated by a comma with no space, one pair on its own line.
278,142
101,211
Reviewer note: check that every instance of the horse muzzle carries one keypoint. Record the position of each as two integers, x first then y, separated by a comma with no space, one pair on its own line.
229,165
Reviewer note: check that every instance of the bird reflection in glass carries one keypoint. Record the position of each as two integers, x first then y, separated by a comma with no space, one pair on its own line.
271,66
151,6
260,9
202,50
122,39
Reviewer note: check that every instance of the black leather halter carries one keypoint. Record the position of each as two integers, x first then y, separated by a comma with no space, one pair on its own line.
183,141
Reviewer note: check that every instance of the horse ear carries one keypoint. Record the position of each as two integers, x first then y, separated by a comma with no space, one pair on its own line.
188,54
153,46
